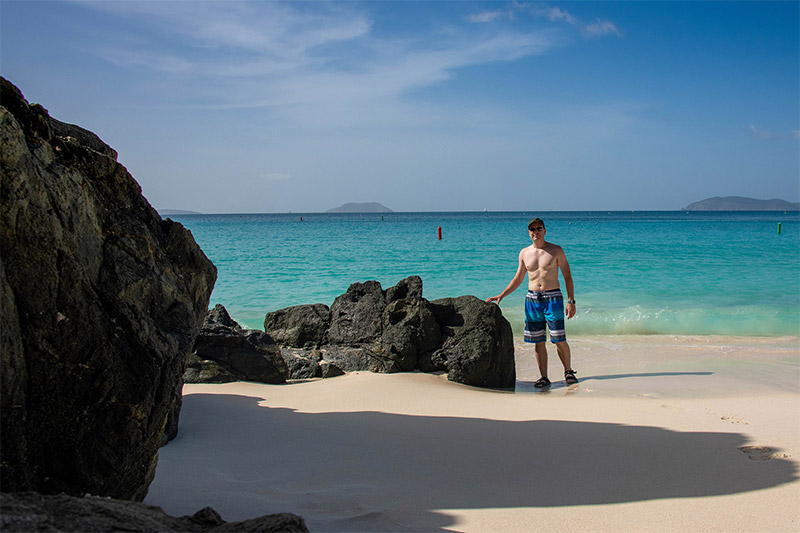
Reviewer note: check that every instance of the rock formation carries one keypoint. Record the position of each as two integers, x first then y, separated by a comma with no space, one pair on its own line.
29,511
397,330
225,352
100,303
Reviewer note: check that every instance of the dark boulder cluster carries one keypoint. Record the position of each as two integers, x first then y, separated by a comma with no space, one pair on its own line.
225,352
397,330
367,328
100,305
29,511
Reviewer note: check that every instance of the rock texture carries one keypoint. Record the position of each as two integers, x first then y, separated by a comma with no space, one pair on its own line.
100,303
472,331
34,512
225,352
397,330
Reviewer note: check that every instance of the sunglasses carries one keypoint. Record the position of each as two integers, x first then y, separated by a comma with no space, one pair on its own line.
538,228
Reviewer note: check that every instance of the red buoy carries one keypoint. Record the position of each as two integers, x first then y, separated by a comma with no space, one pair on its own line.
440,233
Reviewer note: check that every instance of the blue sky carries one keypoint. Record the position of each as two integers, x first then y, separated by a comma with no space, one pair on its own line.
224,107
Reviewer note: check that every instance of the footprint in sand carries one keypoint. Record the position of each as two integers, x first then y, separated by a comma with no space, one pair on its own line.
734,419
762,453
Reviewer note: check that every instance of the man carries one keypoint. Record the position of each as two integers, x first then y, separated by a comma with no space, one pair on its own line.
544,302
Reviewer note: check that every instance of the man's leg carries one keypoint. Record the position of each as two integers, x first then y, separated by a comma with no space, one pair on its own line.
564,354
541,358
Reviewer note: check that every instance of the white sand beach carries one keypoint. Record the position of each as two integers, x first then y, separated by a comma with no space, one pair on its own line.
651,439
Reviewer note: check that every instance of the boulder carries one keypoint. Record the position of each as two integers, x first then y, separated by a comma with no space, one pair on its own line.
200,370
307,364
380,331
301,326
224,351
356,316
100,303
477,343
28,511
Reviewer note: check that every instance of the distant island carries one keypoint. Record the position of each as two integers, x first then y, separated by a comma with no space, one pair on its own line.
163,212
365,207
740,203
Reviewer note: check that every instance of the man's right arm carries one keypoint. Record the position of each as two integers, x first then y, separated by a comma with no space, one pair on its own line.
519,277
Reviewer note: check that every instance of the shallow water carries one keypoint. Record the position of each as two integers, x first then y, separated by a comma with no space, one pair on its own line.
682,273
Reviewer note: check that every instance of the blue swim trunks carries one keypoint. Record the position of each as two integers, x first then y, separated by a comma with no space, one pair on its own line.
541,307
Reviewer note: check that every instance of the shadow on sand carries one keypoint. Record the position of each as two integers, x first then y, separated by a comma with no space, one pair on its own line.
377,471
527,386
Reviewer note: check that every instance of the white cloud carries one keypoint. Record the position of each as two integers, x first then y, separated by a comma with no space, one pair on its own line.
488,16
601,28
262,54
554,14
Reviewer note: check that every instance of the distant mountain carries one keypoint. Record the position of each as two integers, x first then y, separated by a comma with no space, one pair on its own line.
365,207
163,212
740,203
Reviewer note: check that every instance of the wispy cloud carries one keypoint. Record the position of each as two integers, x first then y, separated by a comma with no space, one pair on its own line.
488,16
601,28
760,133
554,14
598,28
262,54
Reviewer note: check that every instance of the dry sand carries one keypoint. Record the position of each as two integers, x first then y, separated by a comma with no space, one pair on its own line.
651,440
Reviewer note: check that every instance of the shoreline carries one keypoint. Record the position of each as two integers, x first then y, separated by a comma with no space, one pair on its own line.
655,443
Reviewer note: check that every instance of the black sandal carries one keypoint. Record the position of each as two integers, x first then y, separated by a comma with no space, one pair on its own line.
541,383
570,377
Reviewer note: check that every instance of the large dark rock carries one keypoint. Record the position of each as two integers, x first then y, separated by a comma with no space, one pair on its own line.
225,352
478,344
380,331
100,304
28,511
301,326
356,315
397,330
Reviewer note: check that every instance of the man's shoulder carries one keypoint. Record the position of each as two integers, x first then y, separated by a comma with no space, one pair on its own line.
553,248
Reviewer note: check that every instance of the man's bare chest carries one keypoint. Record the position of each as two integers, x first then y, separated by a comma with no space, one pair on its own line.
540,261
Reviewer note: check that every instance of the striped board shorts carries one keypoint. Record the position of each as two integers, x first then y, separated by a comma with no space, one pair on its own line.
544,307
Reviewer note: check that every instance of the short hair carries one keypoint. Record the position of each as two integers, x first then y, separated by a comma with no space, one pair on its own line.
535,222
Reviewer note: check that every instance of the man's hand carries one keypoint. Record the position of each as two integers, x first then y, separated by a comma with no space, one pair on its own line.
570,310
495,299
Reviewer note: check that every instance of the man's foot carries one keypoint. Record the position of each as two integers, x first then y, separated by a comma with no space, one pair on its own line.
570,377
541,383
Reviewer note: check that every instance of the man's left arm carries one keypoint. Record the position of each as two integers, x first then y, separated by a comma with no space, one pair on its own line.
567,273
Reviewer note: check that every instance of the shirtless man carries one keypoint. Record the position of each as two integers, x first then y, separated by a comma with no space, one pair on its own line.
544,301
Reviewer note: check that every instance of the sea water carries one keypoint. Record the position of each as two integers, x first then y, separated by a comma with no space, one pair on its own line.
683,273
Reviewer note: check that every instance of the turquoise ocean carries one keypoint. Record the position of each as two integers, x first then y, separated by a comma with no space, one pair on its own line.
675,273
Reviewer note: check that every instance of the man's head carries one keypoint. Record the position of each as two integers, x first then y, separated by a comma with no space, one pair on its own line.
537,224
536,230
